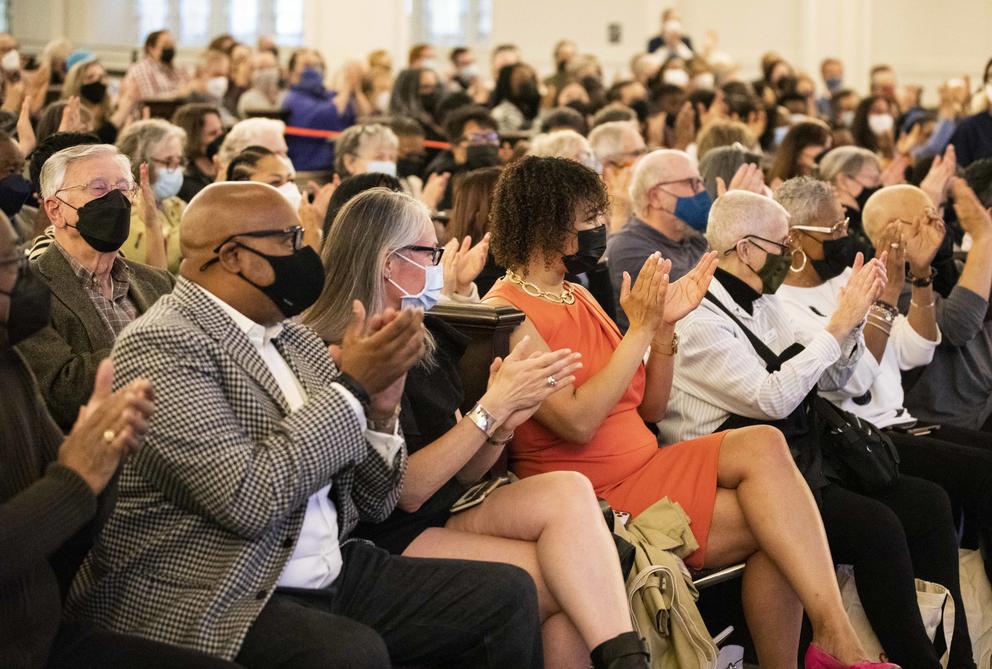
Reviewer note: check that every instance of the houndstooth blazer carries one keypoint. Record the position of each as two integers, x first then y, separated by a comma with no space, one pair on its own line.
210,508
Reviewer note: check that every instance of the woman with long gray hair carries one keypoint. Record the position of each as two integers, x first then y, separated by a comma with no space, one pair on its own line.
382,251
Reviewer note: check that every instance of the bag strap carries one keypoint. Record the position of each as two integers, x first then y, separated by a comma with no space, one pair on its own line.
771,360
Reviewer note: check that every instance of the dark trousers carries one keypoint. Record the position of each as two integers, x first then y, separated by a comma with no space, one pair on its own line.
86,646
386,610
890,537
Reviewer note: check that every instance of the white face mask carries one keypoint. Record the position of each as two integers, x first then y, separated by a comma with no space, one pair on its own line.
217,86
382,101
292,194
881,123
705,81
676,77
384,166
847,118
429,294
468,73
11,61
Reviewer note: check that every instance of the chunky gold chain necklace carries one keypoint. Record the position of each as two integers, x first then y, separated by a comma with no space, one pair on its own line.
567,296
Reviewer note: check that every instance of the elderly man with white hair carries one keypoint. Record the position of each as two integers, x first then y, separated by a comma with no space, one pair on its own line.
617,146
87,193
741,361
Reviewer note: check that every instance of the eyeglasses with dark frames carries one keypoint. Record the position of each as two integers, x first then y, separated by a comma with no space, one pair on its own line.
435,251
293,235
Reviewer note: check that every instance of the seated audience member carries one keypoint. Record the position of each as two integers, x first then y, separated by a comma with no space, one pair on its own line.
352,186
63,116
671,41
265,94
973,138
723,132
56,496
617,145
267,132
291,451
740,488
309,104
873,126
581,593
516,100
87,193
721,381
474,144
415,95
201,123
154,236
564,118
411,155
366,148
856,174
798,152
955,388
900,220
470,218
612,113
669,207
211,81
156,75
256,163
87,80
722,163
15,190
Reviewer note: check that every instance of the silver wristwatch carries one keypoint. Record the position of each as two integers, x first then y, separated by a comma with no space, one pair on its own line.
483,420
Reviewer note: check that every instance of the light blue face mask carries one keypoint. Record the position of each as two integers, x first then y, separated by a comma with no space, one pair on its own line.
168,182
429,294
384,166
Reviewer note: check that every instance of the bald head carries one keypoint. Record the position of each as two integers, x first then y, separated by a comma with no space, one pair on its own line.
222,210
902,202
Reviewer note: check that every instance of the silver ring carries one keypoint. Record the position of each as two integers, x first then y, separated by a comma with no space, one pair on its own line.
109,435
894,245
552,381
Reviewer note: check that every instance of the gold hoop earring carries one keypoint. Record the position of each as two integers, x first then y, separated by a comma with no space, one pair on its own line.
801,267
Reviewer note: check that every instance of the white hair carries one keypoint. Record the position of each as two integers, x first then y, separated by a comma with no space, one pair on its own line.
53,171
846,160
358,138
738,214
140,140
607,139
563,144
649,172
247,133
805,199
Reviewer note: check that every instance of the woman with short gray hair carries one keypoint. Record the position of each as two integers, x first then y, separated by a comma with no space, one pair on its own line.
723,162
155,149
855,174
382,251
370,147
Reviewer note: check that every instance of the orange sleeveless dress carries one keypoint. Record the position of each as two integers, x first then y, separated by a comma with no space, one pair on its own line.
623,460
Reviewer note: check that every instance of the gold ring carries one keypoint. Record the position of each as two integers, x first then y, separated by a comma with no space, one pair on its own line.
109,435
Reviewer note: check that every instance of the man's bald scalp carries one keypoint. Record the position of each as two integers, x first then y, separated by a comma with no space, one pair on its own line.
224,209
903,202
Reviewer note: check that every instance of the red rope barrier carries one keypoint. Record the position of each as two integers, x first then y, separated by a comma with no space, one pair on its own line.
334,134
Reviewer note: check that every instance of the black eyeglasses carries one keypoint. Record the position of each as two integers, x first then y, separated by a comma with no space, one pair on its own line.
435,251
292,236
747,238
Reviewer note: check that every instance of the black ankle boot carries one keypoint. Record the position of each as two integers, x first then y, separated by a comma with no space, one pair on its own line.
626,651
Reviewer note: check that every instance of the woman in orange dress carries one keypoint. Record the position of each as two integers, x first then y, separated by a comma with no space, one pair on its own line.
744,496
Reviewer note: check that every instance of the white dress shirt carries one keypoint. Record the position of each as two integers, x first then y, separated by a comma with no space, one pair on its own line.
718,373
316,559
810,309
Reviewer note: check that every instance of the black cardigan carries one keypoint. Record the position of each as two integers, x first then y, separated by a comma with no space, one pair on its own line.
43,508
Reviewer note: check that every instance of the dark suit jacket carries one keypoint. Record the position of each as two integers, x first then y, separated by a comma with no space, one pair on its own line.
210,508
64,356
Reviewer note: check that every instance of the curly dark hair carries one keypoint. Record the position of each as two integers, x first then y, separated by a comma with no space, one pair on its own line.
534,207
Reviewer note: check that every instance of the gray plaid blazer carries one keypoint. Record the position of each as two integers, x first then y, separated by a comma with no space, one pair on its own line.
210,508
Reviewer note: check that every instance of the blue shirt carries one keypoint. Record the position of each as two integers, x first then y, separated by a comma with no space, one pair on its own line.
973,139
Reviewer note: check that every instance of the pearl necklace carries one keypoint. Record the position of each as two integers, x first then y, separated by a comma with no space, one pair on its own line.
567,296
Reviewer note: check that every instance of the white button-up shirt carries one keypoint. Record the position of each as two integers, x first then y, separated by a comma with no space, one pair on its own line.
316,559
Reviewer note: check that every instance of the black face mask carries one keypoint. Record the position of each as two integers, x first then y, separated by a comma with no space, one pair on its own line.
14,192
640,107
481,155
104,222
429,102
592,246
299,279
527,99
412,164
93,92
838,255
866,193
168,53
30,306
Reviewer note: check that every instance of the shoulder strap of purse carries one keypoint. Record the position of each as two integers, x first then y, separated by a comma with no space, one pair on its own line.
771,360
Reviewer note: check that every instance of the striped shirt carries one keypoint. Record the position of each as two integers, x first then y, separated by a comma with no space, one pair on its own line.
118,310
718,373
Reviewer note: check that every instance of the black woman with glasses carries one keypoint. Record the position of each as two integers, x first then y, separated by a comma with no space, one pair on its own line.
382,250
158,211
87,192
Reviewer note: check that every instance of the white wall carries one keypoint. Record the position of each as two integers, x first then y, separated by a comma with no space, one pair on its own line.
925,43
